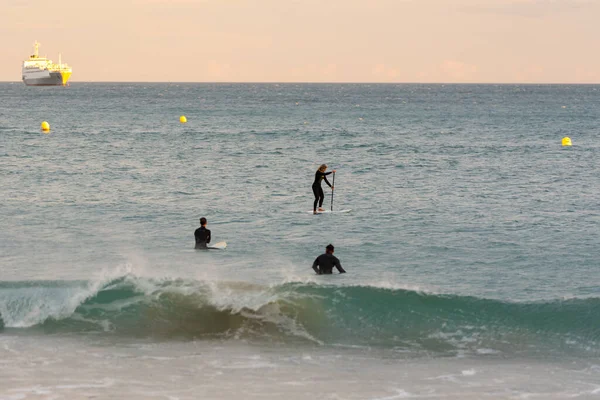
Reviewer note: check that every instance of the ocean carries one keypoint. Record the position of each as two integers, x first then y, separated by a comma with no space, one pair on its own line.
471,247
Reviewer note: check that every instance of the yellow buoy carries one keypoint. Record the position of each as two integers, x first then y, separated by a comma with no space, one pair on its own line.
45,127
183,119
566,141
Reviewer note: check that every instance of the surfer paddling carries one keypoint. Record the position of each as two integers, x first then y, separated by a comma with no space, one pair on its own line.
318,190
202,235
324,264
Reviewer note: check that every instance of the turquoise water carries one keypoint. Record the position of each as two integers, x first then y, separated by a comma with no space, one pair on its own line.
473,235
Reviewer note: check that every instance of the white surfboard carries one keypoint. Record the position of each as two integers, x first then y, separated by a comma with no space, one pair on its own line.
217,246
330,212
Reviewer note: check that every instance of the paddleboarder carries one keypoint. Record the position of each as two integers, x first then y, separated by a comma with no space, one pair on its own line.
318,190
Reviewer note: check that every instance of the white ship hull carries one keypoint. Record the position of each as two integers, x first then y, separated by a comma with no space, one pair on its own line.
44,79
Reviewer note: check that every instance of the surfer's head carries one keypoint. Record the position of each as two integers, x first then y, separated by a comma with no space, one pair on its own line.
202,221
323,167
329,249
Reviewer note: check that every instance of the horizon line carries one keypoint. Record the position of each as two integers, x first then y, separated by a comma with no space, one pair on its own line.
333,83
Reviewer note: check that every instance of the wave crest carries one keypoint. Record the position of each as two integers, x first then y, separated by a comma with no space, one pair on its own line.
305,312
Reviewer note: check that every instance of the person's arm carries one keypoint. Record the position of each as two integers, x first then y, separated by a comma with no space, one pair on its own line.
207,236
338,265
326,181
315,266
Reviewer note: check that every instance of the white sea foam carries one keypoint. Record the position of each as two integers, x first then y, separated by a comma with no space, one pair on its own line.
487,351
25,307
400,394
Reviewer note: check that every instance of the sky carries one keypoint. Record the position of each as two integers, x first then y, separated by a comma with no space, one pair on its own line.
442,41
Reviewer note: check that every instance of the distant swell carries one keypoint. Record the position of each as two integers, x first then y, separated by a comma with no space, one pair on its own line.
336,315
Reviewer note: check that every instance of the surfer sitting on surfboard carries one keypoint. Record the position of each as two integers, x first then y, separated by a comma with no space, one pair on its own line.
202,235
324,264
317,189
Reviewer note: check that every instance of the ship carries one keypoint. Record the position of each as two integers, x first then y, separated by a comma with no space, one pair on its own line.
40,71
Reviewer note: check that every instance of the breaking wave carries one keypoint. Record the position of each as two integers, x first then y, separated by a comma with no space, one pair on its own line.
302,312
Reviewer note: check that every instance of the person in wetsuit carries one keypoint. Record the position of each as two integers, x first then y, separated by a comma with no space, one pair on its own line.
318,190
202,235
324,264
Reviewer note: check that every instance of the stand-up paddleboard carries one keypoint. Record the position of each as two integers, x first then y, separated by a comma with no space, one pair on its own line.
217,246
332,212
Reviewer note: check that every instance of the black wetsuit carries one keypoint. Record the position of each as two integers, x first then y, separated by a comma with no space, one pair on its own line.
324,264
318,190
202,237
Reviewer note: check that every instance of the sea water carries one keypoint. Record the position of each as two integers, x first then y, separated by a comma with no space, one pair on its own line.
471,248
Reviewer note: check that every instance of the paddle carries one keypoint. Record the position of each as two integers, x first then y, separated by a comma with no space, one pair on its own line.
332,186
